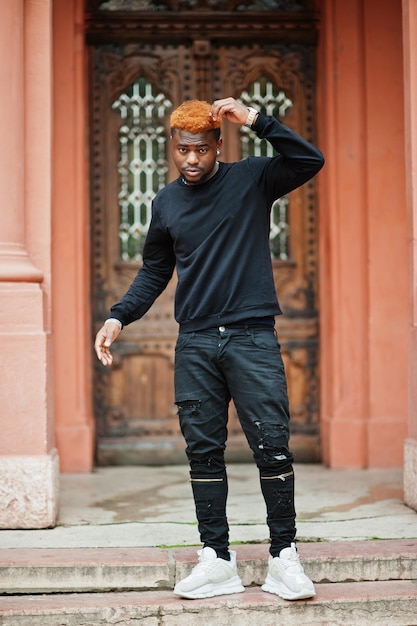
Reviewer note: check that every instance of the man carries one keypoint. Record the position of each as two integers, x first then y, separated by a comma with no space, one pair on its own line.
212,223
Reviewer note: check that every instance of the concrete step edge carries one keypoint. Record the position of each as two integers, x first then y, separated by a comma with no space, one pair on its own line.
356,604
102,569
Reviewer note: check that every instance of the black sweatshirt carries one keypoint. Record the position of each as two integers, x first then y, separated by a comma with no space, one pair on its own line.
217,235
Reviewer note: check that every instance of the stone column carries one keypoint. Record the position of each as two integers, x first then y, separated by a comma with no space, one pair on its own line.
71,319
343,281
410,81
28,460
363,230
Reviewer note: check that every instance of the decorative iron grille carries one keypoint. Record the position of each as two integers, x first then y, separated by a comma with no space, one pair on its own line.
265,98
143,164
190,5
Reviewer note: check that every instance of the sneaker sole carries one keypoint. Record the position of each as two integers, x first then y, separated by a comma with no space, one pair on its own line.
234,585
279,589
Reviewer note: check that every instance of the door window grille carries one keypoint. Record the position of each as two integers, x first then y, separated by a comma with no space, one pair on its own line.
142,165
265,98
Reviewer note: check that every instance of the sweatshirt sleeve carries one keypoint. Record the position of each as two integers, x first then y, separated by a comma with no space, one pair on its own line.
152,277
297,160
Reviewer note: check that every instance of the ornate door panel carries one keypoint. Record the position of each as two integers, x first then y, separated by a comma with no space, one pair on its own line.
144,63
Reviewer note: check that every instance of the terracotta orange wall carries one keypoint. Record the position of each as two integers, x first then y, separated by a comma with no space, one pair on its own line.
387,238
363,234
28,459
24,242
410,80
70,243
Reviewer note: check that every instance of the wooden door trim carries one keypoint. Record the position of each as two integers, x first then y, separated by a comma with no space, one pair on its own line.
171,28
118,60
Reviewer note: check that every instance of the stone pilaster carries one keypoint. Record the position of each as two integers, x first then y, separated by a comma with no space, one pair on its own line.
28,459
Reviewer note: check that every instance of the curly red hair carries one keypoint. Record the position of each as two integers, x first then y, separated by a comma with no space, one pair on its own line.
194,117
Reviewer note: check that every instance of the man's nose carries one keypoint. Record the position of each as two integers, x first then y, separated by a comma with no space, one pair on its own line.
192,157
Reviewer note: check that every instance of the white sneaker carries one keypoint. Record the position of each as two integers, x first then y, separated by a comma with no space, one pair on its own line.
211,576
286,577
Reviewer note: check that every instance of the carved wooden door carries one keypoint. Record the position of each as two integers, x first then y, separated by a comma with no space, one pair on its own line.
146,58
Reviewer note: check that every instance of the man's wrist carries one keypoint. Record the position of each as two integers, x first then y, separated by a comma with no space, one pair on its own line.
252,115
115,321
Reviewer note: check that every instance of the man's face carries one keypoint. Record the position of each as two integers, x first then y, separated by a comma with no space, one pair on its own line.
195,155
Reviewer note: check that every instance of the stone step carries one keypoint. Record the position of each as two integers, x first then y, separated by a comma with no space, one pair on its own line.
32,571
336,604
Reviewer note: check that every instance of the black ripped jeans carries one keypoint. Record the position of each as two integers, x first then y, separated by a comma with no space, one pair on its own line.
244,364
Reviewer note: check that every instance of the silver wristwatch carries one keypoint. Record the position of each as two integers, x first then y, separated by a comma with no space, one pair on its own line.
252,113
